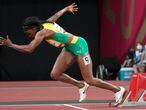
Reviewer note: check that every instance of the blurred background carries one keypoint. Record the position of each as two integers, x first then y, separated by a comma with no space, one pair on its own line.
110,27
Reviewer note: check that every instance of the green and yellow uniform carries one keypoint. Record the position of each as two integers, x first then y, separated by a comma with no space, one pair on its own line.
78,45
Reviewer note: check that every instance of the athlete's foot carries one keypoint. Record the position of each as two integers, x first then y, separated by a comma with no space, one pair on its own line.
83,91
119,96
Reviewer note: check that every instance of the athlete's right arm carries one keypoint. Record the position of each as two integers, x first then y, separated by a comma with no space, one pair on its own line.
71,8
29,48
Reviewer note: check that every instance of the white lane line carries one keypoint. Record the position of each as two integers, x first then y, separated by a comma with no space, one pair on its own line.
79,108
30,105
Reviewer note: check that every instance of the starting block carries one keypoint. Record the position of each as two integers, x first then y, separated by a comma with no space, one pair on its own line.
136,96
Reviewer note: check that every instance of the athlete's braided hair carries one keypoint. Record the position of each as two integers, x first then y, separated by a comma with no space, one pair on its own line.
31,22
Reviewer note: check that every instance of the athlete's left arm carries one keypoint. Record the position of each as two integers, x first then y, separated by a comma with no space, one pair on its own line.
71,8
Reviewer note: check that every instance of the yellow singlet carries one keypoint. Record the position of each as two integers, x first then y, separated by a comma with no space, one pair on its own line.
56,28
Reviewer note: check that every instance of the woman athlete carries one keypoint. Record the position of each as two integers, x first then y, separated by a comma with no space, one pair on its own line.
75,48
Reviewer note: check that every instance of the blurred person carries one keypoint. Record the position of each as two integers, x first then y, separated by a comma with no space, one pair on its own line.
129,61
75,48
142,65
138,52
140,61
143,55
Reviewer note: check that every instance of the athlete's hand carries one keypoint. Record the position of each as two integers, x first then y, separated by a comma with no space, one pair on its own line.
72,8
6,42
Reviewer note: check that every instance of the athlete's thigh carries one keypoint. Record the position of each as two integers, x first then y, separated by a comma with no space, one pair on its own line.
85,65
63,61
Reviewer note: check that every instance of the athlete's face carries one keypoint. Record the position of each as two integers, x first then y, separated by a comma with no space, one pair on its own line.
31,32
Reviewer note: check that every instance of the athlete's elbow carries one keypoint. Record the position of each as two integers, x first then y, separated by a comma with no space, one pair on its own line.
28,50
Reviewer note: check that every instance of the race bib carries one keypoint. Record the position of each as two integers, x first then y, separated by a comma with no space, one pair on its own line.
86,60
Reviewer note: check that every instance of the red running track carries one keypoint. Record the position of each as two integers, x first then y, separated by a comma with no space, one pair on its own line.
48,95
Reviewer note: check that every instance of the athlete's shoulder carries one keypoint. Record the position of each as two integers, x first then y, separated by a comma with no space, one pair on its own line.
45,33
47,24
54,27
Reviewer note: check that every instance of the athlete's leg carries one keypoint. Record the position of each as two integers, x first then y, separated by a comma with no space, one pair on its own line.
64,60
85,64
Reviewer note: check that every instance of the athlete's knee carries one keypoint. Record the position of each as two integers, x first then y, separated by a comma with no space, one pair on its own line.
54,75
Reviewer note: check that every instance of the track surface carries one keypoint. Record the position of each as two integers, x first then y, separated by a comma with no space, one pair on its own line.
48,95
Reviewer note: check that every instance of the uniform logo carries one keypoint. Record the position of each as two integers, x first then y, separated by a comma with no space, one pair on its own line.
86,59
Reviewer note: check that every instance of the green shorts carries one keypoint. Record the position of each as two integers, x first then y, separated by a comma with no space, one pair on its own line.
80,47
